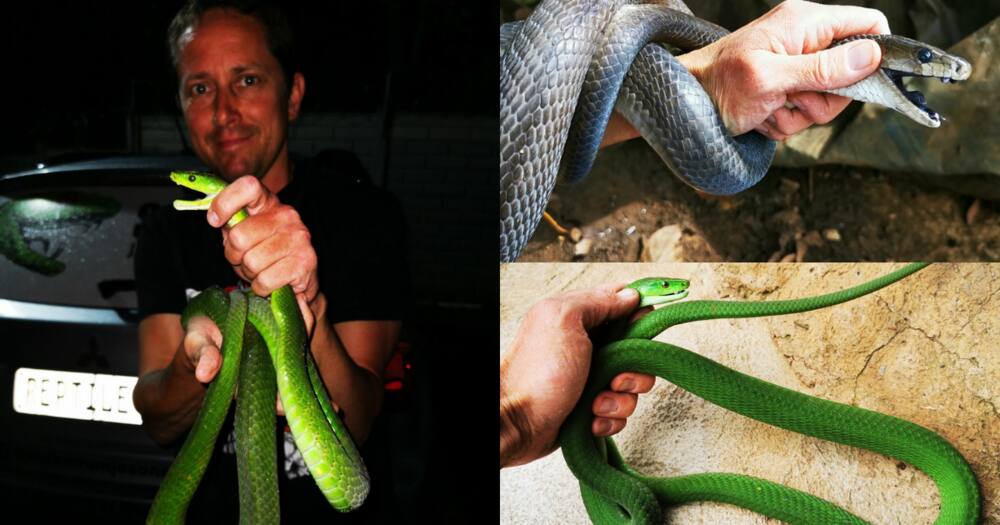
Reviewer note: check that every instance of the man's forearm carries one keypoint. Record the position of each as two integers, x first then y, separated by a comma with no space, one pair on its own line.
620,130
169,400
356,390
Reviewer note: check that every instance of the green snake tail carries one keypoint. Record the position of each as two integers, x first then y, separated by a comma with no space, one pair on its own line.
255,422
174,495
614,493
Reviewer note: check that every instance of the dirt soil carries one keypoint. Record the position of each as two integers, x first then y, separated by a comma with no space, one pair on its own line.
828,213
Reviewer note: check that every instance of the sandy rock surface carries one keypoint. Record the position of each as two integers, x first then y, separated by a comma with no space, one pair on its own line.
924,349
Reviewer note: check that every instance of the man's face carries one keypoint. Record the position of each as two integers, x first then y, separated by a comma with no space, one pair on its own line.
233,95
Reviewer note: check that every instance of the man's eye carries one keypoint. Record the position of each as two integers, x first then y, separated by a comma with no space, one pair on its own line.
249,80
198,89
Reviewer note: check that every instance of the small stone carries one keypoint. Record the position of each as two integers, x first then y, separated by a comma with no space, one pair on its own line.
973,212
665,244
788,186
630,230
831,234
576,234
813,238
582,248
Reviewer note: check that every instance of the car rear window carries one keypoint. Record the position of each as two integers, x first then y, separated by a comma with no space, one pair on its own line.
74,244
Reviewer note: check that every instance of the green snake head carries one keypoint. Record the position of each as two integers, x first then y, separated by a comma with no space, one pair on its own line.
206,183
659,290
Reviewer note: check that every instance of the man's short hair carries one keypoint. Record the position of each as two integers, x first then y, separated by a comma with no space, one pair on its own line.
277,30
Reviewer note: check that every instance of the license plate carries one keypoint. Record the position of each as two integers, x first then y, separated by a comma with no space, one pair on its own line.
75,395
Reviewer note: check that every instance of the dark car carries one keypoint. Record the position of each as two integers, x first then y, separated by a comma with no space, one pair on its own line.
71,444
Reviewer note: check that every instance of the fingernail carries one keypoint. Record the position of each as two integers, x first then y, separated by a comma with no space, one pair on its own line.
607,406
762,129
861,54
627,385
213,218
603,427
627,293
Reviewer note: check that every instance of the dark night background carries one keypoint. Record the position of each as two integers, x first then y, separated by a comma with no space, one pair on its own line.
75,73
85,80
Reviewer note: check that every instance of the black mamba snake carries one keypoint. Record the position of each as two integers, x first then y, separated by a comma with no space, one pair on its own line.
599,53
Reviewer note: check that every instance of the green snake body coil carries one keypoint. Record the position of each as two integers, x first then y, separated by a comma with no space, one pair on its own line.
615,493
271,333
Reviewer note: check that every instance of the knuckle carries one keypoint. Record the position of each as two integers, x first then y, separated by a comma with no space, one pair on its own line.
249,183
821,115
302,237
237,238
749,69
825,70
250,264
286,214
309,260
547,309
260,288
790,7
881,21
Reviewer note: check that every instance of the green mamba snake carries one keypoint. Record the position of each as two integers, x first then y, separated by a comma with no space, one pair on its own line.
615,493
273,341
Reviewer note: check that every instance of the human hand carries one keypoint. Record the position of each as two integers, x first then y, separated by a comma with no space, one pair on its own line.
271,247
201,344
781,57
543,374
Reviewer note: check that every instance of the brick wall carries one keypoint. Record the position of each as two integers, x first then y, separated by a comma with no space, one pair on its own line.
443,170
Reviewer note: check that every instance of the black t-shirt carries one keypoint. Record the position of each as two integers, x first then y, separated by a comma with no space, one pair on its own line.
359,234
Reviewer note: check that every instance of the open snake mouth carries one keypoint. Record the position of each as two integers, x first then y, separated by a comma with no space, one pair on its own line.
665,298
916,97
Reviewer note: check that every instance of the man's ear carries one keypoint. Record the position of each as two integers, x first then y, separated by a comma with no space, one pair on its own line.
295,96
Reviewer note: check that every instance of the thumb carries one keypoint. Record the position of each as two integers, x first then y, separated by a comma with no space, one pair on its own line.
832,68
605,304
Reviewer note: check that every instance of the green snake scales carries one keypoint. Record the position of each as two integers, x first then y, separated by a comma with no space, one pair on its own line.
269,351
615,493
564,68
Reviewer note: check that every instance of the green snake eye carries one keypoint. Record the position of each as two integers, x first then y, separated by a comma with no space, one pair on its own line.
924,55
192,178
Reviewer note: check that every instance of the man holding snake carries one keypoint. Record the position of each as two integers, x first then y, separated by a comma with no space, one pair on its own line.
239,89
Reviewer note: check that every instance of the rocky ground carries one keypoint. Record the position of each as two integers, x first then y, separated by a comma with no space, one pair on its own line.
922,349
631,208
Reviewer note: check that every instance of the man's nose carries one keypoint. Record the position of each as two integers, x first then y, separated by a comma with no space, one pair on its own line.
225,111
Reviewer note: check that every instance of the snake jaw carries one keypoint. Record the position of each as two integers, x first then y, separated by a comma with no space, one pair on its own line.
913,103
949,70
199,204
660,299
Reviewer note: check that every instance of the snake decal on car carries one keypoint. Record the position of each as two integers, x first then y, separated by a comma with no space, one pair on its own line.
45,221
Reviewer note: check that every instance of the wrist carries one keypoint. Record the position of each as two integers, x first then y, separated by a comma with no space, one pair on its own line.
511,432
698,63
514,427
